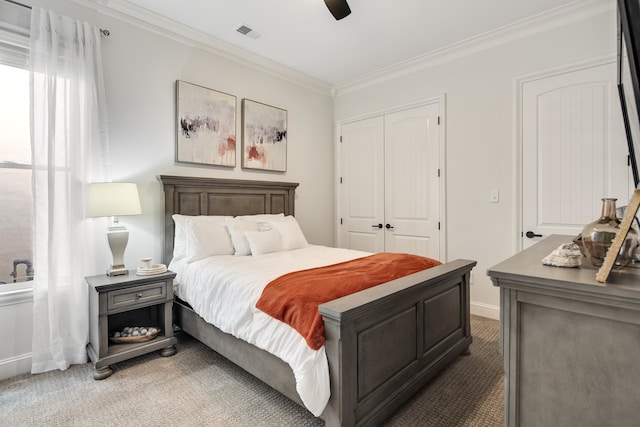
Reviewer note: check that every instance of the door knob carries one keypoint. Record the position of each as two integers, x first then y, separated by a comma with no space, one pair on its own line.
531,234
389,227
376,226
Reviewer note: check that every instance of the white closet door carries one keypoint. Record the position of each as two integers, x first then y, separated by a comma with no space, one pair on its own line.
362,188
412,210
573,150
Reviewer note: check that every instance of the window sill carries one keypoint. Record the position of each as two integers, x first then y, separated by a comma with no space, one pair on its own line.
16,293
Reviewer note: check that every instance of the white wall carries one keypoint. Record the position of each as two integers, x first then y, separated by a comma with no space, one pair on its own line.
480,137
141,68
140,80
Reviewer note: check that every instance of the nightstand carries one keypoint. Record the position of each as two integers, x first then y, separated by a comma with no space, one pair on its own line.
128,300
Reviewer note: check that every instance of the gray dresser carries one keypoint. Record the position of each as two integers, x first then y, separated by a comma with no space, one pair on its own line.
571,345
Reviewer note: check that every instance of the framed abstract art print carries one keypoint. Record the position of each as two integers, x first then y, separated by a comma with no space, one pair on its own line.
206,126
264,136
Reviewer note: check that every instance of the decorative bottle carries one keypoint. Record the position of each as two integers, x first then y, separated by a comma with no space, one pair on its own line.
598,236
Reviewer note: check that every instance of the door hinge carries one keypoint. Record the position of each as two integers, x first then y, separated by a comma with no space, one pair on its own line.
438,119
340,180
340,138
438,172
438,225
340,221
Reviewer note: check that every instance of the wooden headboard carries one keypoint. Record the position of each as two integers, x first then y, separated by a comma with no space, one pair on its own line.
212,196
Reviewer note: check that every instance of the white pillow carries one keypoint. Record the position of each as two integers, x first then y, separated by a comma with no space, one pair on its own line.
180,237
207,238
290,233
263,242
237,228
263,217
264,226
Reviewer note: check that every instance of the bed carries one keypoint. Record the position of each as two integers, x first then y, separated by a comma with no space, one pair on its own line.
425,313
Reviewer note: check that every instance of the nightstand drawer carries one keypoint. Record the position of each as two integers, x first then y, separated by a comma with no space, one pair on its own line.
154,292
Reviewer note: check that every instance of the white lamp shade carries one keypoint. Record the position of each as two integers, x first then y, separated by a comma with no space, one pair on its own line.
113,199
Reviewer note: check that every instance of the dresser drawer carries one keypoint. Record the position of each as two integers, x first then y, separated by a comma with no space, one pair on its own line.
121,298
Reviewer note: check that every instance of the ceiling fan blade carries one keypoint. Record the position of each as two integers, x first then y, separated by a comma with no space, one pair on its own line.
338,8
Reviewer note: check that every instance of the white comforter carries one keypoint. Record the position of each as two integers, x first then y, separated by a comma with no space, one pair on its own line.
224,290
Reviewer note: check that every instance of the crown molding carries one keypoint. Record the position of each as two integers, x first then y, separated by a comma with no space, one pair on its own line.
140,17
572,12
155,23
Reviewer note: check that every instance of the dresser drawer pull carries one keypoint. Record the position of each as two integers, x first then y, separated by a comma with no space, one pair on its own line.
139,295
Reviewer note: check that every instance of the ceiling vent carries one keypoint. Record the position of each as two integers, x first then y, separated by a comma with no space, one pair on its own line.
248,31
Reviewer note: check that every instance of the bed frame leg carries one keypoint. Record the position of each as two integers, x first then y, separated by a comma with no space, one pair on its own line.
466,352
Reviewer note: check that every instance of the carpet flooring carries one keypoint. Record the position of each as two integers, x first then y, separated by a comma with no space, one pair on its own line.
198,387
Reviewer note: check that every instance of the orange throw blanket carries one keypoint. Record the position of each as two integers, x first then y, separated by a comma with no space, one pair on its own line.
294,297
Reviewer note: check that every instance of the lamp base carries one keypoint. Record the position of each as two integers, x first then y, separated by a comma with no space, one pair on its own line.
117,236
118,270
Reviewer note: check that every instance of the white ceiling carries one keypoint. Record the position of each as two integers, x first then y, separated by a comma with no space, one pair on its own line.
304,36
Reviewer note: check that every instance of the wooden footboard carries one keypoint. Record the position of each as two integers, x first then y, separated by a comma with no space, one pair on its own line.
385,343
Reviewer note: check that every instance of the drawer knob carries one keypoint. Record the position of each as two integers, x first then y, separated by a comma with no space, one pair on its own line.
139,295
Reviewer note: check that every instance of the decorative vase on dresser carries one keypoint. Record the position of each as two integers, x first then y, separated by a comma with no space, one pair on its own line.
598,236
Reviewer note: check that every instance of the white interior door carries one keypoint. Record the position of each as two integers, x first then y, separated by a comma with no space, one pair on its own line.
412,189
573,150
362,185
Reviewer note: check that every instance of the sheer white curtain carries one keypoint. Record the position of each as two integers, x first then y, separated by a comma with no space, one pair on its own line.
69,149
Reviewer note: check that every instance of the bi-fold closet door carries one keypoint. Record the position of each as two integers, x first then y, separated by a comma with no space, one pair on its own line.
389,183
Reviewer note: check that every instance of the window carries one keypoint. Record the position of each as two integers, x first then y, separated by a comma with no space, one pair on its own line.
15,177
16,201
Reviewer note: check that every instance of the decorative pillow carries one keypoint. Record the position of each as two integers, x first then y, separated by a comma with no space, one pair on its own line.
264,226
207,238
237,227
290,233
263,242
180,239
262,217
179,236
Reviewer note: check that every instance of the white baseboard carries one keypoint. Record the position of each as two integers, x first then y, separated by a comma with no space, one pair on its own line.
17,365
485,310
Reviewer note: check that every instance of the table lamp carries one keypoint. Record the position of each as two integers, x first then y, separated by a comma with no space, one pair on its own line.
114,199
